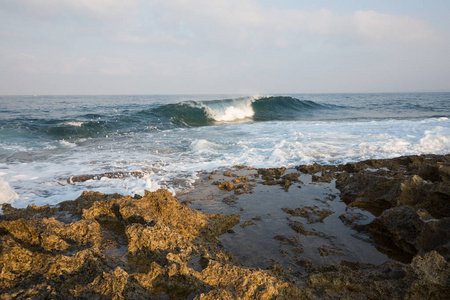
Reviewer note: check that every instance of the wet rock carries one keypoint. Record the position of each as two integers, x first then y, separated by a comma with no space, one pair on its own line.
228,173
275,177
369,191
405,228
399,226
247,223
288,240
433,197
425,278
435,235
236,185
313,214
227,186
299,228
409,197
326,250
230,200
354,219
10,212
117,175
113,247
86,200
271,173
377,185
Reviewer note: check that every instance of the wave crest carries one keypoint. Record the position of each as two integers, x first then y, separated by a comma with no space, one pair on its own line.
192,113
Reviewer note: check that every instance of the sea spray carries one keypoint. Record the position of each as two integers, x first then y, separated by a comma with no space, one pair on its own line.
7,194
170,139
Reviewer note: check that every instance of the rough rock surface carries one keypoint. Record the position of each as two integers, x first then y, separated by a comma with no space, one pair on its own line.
123,248
410,197
113,247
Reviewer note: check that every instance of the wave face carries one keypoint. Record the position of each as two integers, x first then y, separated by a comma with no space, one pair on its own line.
193,113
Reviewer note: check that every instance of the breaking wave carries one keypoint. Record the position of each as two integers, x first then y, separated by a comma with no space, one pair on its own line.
202,113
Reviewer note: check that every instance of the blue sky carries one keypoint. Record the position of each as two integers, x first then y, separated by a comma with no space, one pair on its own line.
212,46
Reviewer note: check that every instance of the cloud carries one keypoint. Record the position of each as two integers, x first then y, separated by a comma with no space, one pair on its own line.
245,18
231,22
384,27
215,46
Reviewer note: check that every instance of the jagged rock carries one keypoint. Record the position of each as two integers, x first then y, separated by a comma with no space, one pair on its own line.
270,173
405,228
426,278
399,226
44,257
113,247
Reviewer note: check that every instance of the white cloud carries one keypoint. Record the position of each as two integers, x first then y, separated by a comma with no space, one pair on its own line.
384,27
238,22
233,18
215,46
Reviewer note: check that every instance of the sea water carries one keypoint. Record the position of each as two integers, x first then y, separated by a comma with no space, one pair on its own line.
168,139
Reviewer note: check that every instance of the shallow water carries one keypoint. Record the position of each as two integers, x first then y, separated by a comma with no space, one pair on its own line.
269,239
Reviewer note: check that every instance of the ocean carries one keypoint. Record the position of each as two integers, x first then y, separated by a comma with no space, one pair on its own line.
164,141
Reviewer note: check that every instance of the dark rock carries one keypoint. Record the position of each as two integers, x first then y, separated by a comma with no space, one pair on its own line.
399,226
313,214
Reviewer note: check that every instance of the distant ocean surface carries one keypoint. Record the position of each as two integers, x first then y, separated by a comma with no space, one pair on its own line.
46,140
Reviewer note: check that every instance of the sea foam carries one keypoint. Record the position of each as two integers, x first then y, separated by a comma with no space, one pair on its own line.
76,124
230,111
194,135
7,194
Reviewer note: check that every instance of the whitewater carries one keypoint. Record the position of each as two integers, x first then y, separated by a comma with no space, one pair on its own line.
164,141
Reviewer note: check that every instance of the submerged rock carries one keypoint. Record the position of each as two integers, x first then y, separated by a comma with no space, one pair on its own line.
313,214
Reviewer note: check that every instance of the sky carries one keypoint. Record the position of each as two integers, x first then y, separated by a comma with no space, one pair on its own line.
64,47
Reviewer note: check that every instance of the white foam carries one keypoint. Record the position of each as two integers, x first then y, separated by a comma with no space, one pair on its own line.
67,144
203,146
435,140
7,194
172,158
235,110
76,124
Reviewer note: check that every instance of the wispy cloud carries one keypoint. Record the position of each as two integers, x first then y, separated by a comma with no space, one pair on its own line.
384,27
236,18
239,21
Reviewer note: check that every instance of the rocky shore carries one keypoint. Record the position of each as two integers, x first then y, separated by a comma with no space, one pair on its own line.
192,247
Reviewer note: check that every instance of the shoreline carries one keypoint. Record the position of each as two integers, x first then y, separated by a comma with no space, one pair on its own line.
159,246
